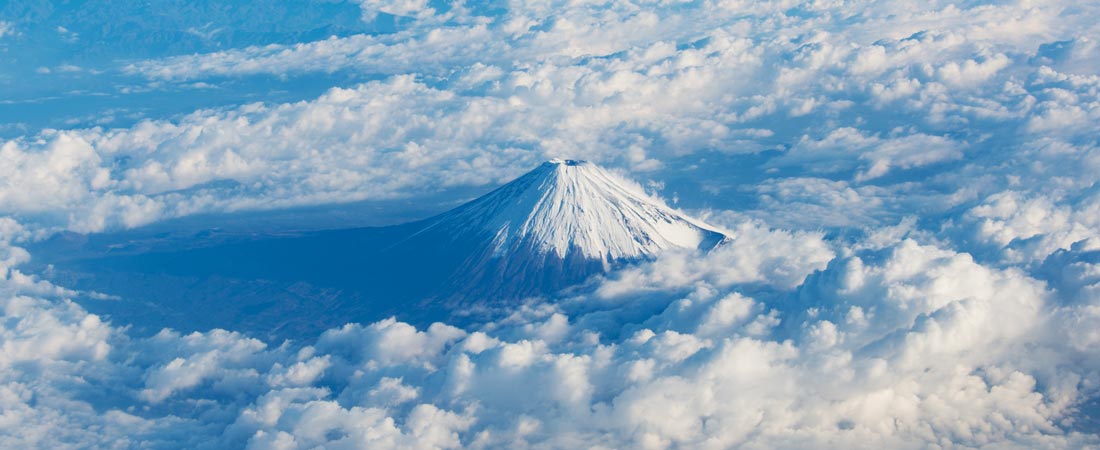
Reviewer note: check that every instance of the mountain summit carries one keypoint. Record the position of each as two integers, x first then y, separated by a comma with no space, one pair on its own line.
555,226
567,206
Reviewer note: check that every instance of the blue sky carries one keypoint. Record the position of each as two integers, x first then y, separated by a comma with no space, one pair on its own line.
912,191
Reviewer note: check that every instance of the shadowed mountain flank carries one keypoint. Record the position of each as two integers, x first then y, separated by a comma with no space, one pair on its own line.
549,229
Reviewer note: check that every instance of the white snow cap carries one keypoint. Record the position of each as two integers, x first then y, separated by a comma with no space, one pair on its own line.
566,206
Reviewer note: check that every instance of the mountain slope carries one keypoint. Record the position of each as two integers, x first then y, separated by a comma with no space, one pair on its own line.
553,227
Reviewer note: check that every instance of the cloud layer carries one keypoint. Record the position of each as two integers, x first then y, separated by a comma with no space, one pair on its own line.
859,108
903,346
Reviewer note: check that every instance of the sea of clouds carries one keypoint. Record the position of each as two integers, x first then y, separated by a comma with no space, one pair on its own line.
915,254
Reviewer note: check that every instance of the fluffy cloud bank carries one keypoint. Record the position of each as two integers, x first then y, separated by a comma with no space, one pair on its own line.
886,109
903,346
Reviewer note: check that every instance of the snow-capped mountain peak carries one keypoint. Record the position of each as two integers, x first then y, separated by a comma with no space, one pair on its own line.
566,207
551,228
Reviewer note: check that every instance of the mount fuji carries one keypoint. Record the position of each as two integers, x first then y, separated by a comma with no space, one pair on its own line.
553,227
549,229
